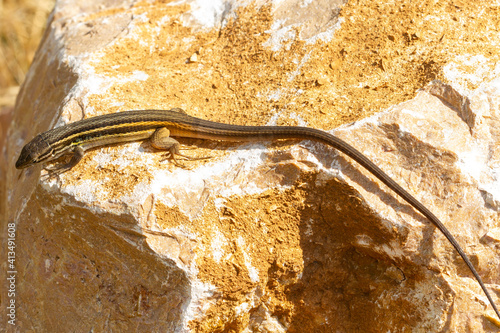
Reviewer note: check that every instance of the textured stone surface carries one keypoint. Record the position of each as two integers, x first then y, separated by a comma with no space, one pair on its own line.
263,237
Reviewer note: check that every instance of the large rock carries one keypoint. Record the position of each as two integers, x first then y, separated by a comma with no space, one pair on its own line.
262,237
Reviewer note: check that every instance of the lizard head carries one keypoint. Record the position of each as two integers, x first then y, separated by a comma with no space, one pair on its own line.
35,151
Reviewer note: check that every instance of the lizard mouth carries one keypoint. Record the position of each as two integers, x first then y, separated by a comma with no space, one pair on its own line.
24,160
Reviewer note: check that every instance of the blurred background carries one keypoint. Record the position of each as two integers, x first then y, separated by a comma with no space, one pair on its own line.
22,23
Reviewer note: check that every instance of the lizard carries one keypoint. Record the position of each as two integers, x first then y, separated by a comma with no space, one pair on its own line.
160,126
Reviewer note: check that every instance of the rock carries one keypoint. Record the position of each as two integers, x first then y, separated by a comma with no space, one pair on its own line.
262,237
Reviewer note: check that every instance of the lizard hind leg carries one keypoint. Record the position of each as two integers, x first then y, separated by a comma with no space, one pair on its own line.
161,139
178,110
